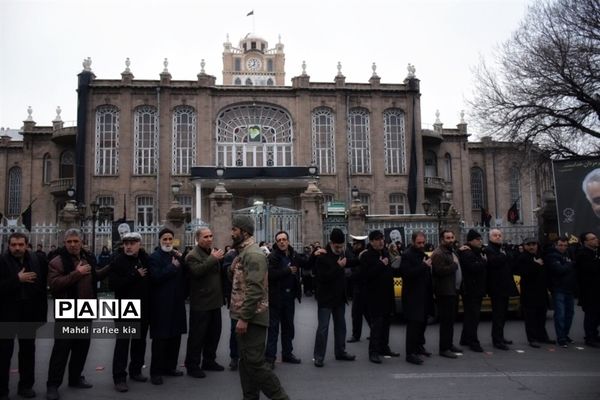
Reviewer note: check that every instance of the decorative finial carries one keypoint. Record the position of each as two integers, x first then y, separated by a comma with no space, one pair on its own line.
87,64
227,38
202,64
437,117
339,68
462,117
29,114
279,37
411,71
166,64
58,111
303,67
127,64
374,68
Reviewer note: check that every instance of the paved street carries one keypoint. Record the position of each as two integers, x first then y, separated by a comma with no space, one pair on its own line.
522,373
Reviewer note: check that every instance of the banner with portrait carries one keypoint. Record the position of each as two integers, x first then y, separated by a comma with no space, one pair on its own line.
394,235
577,186
119,228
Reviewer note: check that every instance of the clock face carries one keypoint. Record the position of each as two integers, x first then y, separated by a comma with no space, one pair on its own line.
253,64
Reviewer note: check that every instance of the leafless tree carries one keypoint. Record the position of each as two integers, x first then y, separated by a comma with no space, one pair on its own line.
545,85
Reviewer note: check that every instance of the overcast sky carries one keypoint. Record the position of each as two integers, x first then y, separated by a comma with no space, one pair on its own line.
43,42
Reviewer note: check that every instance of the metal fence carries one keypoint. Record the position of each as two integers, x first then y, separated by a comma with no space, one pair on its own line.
511,234
268,220
429,228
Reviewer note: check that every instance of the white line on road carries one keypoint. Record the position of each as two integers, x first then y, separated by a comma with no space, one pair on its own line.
473,375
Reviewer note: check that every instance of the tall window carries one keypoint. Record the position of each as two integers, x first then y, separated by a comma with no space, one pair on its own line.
47,169
430,160
145,210
359,147
323,140
477,189
67,164
395,142
397,203
448,168
184,139
254,136
514,186
107,208
365,201
107,140
14,191
145,138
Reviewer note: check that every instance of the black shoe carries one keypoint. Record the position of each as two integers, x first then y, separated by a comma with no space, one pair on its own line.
212,366
156,379
374,358
422,351
501,346
233,364
414,359
27,393
476,347
448,354
319,363
81,384
455,349
353,339
196,373
535,345
270,362
563,344
506,341
590,343
345,357
138,378
52,393
291,359
174,372
390,353
121,387
570,341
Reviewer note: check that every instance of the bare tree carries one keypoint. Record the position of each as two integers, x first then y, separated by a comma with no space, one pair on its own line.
545,87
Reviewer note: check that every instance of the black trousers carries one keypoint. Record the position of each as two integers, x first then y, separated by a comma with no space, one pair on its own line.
165,353
282,315
26,363
499,311
128,347
203,338
447,315
380,334
415,336
77,349
471,316
359,310
535,323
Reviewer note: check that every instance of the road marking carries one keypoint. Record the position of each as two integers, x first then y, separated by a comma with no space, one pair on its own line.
521,374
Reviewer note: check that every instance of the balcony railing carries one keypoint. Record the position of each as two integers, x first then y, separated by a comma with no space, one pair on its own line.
61,185
434,183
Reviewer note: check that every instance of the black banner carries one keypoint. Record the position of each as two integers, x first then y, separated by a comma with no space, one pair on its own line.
577,185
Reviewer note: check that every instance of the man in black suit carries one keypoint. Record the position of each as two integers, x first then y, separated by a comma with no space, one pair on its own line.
587,265
23,305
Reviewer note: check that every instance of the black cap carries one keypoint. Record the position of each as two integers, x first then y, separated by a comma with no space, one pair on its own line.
472,235
374,235
337,236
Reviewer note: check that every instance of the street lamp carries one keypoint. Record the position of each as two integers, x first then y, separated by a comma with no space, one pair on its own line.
439,213
70,192
175,188
94,207
354,192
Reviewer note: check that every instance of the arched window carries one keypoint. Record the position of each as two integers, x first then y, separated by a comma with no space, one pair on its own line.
67,164
430,164
397,203
144,210
477,189
323,139
107,208
395,142
249,82
448,167
254,136
237,81
269,82
184,140
145,138
359,143
107,140
514,186
47,169
14,192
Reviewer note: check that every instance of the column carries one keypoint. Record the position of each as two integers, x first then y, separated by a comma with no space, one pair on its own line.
221,203
312,221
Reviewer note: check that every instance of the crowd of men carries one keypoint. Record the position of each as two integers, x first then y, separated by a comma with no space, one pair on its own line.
260,286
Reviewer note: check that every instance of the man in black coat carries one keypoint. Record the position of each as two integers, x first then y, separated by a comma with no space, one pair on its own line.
284,290
534,292
473,265
357,287
376,271
500,286
587,264
129,279
417,297
23,304
331,298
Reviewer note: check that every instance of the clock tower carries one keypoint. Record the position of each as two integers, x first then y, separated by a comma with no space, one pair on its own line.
253,63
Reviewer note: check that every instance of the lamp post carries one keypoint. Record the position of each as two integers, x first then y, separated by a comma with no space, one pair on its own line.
94,207
354,193
439,213
175,188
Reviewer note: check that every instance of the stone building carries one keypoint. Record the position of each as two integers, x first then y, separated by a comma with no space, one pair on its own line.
135,139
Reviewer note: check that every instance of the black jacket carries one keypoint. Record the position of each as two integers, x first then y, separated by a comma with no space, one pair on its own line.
587,265
126,281
473,265
534,288
417,290
379,281
500,281
561,271
280,276
330,280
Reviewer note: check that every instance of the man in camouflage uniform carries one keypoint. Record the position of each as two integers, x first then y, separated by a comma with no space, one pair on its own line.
250,308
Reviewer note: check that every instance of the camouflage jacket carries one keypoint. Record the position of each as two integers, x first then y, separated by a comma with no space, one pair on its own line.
250,288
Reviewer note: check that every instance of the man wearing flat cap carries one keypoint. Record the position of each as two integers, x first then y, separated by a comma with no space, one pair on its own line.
130,280
250,308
